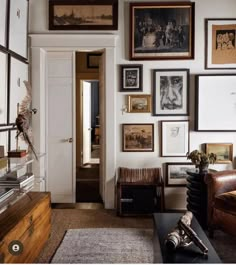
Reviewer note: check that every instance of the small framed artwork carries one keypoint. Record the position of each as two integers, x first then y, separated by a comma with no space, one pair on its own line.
224,152
83,15
175,138
139,103
138,137
170,92
131,78
176,173
220,34
161,31
3,23
3,88
215,102
93,60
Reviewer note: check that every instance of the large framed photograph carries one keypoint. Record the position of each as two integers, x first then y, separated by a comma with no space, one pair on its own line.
170,92
83,15
161,30
215,102
3,23
224,152
139,103
175,138
131,77
220,34
176,173
3,88
138,137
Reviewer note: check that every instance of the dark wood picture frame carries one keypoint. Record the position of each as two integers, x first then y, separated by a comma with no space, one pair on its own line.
162,31
178,178
138,137
220,43
171,92
215,103
108,13
93,60
131,77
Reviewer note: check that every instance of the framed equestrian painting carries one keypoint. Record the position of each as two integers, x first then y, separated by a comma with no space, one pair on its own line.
161,31
220,43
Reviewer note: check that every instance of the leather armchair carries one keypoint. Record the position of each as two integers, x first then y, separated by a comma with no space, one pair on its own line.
221,188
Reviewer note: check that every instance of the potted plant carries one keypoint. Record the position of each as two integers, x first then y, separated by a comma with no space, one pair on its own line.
201,160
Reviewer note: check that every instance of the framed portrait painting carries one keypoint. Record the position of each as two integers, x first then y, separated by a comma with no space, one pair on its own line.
176,173
175,138
131,77
83,15
138,137
215,102
220,49
170,92
160,31
223,151
139,103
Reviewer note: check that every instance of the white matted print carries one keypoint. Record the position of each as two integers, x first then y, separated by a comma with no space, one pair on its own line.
175,138
216,102
176,173
170,92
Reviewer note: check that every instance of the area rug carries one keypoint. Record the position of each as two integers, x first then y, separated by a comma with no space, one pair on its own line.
106,245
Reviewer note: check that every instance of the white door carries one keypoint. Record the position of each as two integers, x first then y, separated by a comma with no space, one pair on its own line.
86,122
60,126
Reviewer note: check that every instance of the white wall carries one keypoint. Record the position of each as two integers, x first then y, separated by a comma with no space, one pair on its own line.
175,197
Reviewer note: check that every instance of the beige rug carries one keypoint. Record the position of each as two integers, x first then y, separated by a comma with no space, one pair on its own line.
106,245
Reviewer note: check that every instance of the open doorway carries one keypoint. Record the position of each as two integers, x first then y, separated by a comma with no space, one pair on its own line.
87,130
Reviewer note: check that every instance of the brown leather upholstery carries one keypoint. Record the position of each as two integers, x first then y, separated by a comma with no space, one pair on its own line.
222,201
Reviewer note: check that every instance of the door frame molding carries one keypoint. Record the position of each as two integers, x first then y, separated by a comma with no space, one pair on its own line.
40,45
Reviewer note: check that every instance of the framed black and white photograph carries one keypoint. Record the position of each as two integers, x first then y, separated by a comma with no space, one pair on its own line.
170,92
215,102
176,173
162,30
175,138
3,23
3,88
138,137
220,43
131,77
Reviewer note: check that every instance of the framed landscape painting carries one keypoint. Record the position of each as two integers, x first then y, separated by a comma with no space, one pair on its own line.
175,138
131,77
215,102
139,103
176,173
224,152
170,92
220,49
83,15
138,137
160,31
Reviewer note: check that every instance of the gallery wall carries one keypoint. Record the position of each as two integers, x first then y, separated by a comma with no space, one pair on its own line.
175,196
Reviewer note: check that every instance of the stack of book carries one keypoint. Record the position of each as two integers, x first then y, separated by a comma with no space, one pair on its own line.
25,182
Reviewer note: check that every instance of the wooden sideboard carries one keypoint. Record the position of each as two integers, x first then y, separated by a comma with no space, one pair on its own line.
27,221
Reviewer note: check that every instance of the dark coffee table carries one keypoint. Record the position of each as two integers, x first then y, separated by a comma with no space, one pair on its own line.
163,225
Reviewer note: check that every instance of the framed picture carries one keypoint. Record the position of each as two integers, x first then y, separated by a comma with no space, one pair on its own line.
215,102
93,60
131,78
220,34
175,138
176,173
3,87
3,23
83,15
170,92
161,30
138,137
224,152
139,103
